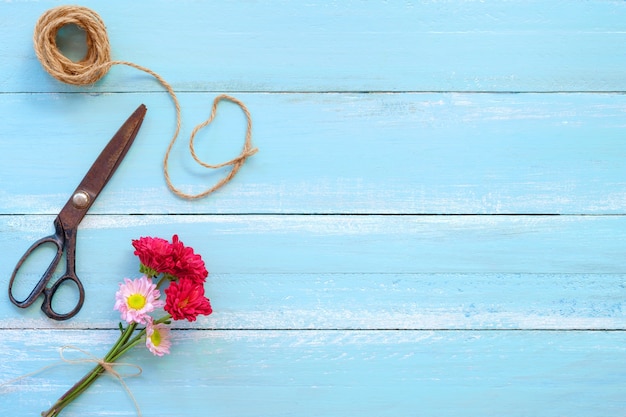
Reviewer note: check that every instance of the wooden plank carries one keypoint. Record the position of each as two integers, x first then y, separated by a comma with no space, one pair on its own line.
330,373
329,153
382,46
417,301
377,302
389,272
351,244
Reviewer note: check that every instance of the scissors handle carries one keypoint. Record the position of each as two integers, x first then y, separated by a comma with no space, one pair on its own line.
62,240
46,306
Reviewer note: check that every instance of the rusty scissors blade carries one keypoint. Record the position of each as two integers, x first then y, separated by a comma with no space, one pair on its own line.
67,221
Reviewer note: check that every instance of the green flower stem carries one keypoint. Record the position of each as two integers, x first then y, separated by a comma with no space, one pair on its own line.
163,279
163,319
119,348
133,342
126,347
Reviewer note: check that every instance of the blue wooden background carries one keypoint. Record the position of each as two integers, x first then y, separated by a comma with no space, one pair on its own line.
435,224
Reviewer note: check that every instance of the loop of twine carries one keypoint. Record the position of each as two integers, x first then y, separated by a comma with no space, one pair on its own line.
107,366
97,63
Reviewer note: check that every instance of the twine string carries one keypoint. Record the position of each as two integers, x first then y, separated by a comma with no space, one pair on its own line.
109,368
96,64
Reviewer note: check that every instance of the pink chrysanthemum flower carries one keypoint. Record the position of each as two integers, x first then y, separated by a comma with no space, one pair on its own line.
158,338
135,299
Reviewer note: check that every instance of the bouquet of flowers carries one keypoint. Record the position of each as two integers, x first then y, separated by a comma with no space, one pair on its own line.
163,264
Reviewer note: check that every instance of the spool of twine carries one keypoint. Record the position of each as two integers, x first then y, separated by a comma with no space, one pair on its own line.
96,65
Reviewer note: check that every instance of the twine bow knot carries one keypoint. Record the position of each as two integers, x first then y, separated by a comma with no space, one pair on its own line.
108,367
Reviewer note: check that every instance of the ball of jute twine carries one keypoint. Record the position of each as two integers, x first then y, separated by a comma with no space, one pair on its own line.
96,65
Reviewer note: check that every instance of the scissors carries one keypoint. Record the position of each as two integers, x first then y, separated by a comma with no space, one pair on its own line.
66,223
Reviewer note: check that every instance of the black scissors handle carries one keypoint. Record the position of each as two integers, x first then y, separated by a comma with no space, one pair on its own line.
66,223
63,241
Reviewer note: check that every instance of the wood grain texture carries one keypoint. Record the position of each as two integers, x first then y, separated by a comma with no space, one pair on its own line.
389,272
435,224
344,46
329,153
353,244
325,373
441,301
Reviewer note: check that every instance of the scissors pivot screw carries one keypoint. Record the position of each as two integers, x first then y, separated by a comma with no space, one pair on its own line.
80,200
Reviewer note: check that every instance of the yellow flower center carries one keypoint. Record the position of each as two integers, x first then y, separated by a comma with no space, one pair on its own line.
156,338
136,301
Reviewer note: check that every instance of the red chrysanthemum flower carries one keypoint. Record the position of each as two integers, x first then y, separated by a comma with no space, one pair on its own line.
186,300
155,255
187,264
